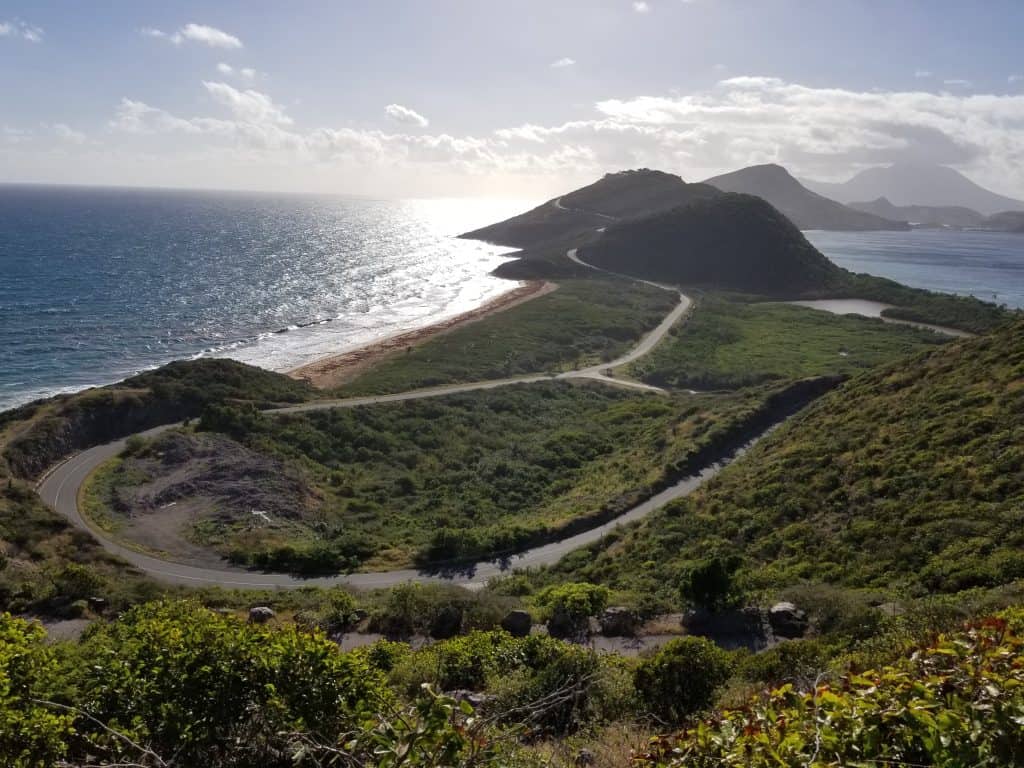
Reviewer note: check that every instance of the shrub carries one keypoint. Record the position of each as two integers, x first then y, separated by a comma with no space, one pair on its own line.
556,687
75,582
958,702
710,584
578,600
195,684
682,678
32,735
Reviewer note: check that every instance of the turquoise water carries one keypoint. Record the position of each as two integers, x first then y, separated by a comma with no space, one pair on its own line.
988,265
98,284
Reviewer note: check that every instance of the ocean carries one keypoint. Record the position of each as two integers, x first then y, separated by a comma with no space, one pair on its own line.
987,265
98,284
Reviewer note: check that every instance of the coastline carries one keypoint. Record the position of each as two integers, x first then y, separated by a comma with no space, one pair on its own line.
337,369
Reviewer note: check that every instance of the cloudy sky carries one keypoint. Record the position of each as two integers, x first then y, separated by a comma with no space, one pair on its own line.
519,99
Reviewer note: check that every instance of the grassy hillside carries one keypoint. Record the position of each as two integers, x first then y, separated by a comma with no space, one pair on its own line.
736,242
35,436
434,480
615,196
583,322
727,344
908,477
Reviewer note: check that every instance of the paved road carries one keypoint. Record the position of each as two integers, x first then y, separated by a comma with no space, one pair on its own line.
559,206
61,486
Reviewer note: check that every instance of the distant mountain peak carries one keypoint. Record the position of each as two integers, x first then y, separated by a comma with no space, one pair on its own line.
805,208
917,184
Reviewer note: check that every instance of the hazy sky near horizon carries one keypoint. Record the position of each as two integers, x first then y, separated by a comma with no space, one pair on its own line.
521,99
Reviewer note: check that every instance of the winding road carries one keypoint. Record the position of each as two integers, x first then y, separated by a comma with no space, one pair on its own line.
61,486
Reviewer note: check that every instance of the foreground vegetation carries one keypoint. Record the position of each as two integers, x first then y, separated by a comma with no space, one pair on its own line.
439,480
907,477
175,684
730,344
582,323
956,702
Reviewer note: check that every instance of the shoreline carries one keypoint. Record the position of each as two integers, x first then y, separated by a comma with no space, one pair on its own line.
334,370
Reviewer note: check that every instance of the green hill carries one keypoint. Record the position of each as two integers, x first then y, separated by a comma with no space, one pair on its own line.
908,477
616,196
731,241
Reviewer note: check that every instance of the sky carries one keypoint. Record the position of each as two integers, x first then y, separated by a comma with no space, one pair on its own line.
440,98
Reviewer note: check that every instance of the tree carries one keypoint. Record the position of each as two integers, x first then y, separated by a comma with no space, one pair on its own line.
710,584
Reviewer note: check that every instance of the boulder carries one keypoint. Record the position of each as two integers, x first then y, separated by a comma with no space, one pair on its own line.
517,623
618,622
447,623
731,629
787,620
97,605
565,626
260,614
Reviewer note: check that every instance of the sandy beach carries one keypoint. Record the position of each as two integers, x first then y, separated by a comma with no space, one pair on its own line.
335,370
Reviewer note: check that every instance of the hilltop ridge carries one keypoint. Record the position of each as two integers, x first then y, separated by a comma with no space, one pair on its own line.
621,195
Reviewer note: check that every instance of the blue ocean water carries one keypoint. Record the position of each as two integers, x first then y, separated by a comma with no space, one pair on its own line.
988,265
98,284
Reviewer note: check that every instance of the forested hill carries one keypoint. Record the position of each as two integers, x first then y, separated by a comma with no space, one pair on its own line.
730,241
908,477
616,196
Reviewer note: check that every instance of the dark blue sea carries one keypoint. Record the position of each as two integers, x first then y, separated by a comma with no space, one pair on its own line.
988,265
98,284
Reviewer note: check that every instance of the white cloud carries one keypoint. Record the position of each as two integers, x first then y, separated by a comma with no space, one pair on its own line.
67,133
1015,79
249,106
923,73
29,32
198,33
815,132
406,116
958,82
211,36
246,73
640,6
565,61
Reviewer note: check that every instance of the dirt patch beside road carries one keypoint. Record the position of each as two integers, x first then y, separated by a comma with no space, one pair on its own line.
194,496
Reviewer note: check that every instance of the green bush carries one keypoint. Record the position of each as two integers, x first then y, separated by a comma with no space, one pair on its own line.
958,702
577,600
710,584
32,735
681,679
195,684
